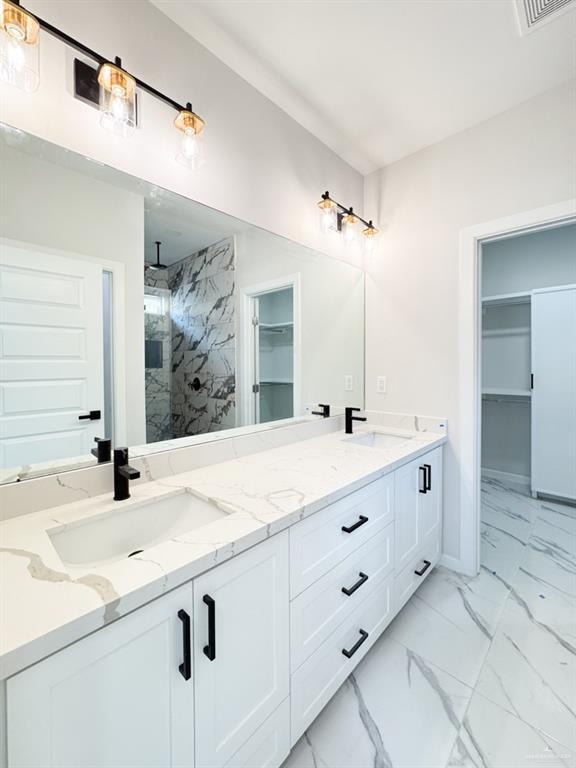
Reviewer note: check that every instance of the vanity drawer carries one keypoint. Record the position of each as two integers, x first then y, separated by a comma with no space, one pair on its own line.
270,745
406,583
319,543
316,681
317,611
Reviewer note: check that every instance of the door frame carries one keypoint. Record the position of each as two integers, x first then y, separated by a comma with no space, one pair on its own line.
119,394
468,442
246,357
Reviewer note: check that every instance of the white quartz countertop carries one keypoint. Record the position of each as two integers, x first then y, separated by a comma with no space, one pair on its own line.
44,606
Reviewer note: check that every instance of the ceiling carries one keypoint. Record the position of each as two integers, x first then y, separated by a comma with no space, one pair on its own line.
377,80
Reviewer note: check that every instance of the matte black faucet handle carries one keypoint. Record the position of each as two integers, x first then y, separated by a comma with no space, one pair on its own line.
325,412
103,449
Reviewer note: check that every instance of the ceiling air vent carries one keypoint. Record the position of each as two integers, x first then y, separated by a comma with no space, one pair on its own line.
533,13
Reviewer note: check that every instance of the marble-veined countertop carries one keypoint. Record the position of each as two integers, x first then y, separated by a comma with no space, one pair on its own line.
44,606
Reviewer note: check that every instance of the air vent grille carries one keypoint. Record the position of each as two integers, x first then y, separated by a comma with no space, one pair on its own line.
535,12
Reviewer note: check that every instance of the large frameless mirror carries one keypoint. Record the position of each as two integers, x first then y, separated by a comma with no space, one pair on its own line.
132,314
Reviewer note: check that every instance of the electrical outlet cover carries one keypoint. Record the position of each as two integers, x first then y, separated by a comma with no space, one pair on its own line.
381,387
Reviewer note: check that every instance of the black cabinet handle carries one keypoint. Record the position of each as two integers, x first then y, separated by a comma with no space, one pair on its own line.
350,528
423,570
423,485
210,649
352,651
186,666
91,416
350,590
428,477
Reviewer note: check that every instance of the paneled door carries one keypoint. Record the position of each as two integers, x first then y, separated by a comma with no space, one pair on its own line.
554,391
122,697
241,648
51,356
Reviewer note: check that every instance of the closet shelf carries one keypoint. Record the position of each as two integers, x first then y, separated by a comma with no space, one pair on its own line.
506,392
506,298
512,331
276,381
276,326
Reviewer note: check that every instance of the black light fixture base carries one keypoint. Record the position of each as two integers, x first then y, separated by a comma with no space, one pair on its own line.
86,87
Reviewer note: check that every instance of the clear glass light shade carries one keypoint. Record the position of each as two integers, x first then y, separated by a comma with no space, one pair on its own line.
370,239
191,152
350,228
19,47
328,215
117,100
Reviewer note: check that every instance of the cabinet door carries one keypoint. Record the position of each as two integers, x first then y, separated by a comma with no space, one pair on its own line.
409,481
431,501
115,699
241,653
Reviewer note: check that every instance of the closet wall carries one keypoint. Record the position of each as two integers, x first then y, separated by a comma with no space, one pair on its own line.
511,269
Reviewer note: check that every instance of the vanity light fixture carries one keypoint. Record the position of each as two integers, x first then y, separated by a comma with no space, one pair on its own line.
192,127
19,44
108,86
339,218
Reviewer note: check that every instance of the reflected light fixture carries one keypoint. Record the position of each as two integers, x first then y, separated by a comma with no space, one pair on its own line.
117,98
191,127
158,264
339,218
19,44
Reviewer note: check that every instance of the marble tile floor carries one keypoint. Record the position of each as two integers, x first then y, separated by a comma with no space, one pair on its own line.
473,673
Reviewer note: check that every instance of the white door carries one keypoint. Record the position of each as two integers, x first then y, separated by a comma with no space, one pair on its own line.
241,653
116,699
554,391
409,484
431,499
51,356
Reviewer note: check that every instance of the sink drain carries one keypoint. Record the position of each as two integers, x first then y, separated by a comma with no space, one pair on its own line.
136,552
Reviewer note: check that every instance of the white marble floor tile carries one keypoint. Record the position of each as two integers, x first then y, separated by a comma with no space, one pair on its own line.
507,510
500,551
530,670
485,584
448,625
491,737
396,710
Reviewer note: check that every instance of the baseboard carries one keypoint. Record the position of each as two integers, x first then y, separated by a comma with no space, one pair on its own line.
506,477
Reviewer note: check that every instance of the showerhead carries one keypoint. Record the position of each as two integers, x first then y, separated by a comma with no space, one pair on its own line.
158,264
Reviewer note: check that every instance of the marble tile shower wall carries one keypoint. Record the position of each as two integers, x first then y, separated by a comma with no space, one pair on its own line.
203,367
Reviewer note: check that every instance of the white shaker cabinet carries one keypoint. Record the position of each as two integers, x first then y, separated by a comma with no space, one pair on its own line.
241,648
116,699
418,513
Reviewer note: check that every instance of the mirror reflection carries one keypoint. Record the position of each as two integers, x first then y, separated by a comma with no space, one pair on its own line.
133,316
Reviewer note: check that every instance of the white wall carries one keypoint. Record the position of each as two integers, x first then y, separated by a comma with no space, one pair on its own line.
261,165
48,205
535,260
517,161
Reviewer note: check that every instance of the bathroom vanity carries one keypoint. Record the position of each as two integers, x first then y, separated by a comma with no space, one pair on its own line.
217,645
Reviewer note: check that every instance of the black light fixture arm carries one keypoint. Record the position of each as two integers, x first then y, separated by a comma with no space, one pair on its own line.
343,209
77,45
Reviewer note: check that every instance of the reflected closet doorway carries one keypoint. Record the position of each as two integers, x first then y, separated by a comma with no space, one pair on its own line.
271,365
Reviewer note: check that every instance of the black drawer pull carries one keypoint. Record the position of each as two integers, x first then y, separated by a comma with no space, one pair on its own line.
352,651
423,570
210,649
428,477
186,666
350,590
91,416
350,528
423,484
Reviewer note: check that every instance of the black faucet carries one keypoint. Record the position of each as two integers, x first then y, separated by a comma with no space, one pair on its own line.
123,473
349,418
325,412
103,449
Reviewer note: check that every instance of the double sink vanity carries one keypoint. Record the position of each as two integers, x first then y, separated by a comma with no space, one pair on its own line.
208,619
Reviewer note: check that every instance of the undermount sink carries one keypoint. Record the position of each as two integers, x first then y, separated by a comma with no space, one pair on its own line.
378,439
122,533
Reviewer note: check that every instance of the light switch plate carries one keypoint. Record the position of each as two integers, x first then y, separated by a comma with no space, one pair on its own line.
381,385
348,384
